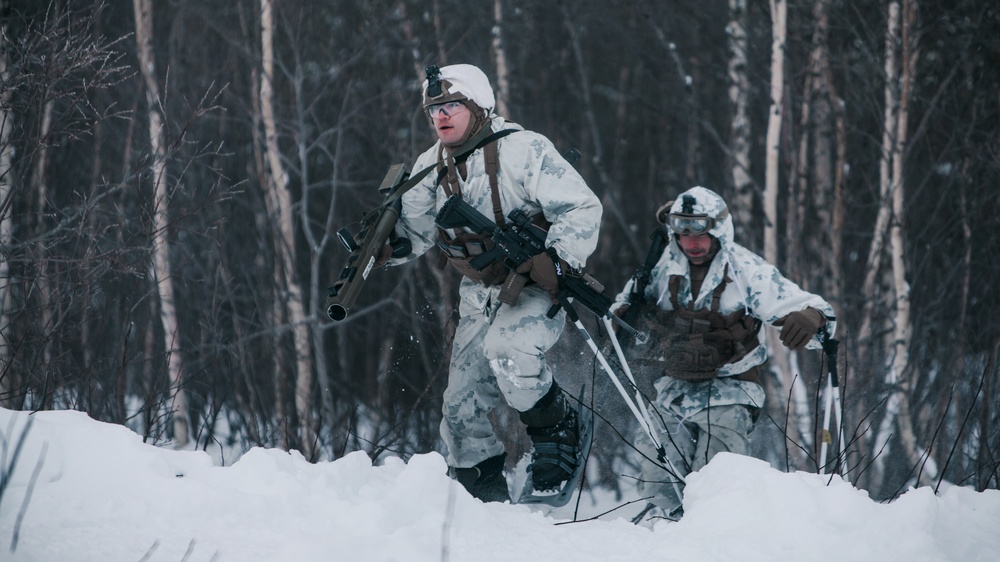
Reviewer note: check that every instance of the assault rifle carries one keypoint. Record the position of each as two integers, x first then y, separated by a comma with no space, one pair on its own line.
519,243
377,230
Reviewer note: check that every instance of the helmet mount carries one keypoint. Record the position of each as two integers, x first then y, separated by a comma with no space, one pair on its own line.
433,81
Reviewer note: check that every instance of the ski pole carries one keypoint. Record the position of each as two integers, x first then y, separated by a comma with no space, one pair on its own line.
661,453
607,368
628,373
832,395
571,313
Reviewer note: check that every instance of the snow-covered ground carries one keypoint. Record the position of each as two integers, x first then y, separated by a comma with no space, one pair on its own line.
85,491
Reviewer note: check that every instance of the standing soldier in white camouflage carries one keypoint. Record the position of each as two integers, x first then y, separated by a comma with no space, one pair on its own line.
503,333
706,299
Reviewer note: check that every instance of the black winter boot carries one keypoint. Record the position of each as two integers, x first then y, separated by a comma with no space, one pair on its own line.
485,480
555,433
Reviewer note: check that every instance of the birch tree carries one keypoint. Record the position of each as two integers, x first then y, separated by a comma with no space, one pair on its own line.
500,56
898,375
160,266
278,198
739,129
779,355
779,9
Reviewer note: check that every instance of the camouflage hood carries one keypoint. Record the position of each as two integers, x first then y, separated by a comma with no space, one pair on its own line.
705,202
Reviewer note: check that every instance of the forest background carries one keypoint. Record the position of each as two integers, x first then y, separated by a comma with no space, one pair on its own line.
173,173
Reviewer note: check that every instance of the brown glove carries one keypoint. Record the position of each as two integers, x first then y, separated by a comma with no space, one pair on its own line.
383,256
543,270
798,327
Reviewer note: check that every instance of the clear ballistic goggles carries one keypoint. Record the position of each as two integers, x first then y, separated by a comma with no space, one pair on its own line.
446,109
690,225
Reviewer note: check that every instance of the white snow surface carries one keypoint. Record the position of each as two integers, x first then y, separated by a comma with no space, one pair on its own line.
83,490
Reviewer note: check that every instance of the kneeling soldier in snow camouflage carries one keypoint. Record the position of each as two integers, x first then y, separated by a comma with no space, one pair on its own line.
503,334
706,299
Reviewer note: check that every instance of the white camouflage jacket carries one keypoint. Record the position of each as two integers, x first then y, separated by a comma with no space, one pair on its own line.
533,176
756,286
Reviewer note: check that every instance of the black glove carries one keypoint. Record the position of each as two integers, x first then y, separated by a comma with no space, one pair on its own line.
547,270
798,327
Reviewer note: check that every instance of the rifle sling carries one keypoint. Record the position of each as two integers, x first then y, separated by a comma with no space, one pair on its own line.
659,243
463,154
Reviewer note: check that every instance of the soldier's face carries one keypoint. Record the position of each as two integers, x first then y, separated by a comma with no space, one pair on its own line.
698,248
451,125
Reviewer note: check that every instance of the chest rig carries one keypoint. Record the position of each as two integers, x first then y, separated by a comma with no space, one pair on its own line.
457,250
687,344
697,343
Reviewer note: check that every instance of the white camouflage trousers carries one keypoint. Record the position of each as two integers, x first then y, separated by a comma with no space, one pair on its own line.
496,352
689,444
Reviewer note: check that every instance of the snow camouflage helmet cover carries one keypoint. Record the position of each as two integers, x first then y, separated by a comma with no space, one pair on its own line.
703,201
463,81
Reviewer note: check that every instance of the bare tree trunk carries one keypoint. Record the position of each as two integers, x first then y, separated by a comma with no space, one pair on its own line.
986,463
812,166
823,149
956,364
864,343
500,56
900,373
779,355
829,160
739,129
875,250
40,187
6,191
161,273
279,202
779,11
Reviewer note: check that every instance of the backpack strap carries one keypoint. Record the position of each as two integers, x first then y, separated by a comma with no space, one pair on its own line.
448,178
491,155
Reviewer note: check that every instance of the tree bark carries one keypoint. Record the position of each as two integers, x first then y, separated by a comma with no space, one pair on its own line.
500,56
831,209
160,268
740,131
779,355
279,203
889,130
6,152
779,9
986,461
901,372
40,187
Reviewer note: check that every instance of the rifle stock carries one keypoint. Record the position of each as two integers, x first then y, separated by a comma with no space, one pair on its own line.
376,230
